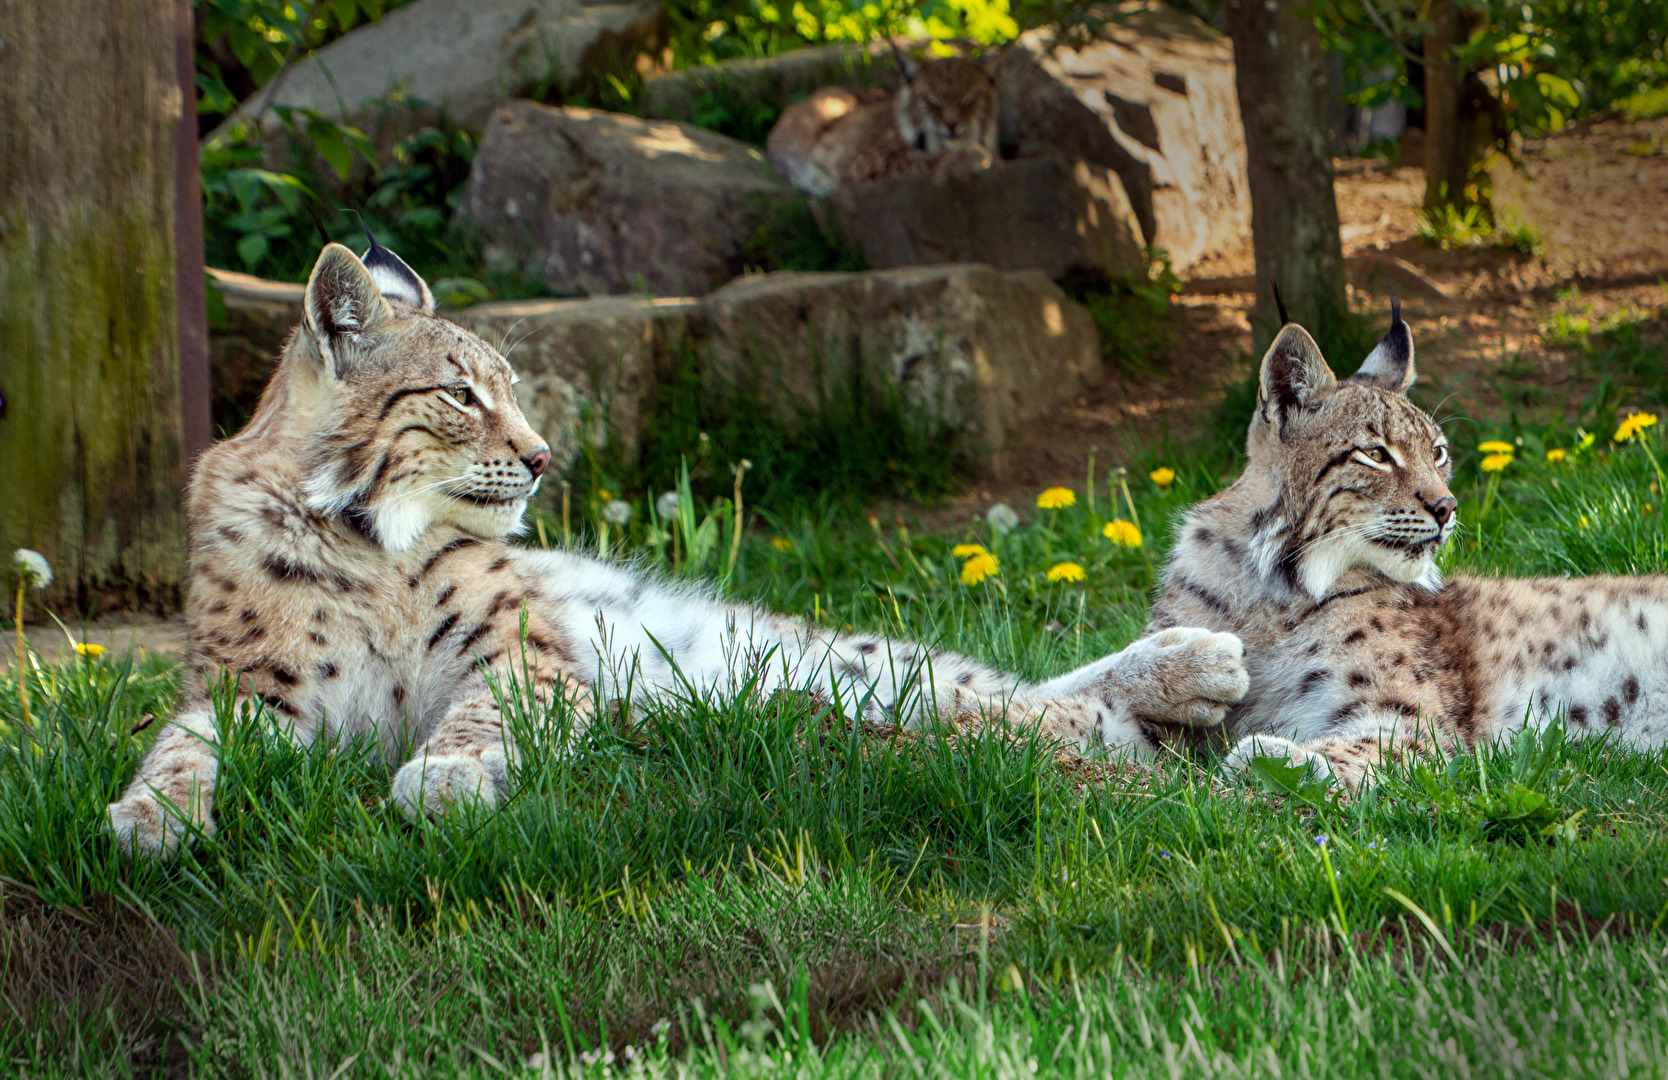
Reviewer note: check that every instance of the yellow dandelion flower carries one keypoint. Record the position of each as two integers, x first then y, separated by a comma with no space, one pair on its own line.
1496,462
1123,533
978,568
603,494
1556,455
1066,571
1587,438
1056,498
87,648
1163,477
1584,522
967,551
1632,425
1495,446
781,543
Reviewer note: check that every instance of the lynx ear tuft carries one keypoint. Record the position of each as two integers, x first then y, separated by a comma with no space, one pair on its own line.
396,280
342,303
1390,364
907,64
1294,373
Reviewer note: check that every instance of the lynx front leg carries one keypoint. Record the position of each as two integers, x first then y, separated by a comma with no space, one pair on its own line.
1356,758
468,756
1183,675
174,789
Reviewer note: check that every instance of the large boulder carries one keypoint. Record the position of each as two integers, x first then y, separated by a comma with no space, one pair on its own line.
1151,97
978,350
461,58
1062,217
596,202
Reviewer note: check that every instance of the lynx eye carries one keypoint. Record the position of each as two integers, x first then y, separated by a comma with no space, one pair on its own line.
1441,455
1377,454
460,393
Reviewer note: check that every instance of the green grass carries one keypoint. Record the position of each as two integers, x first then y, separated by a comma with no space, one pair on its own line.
741,885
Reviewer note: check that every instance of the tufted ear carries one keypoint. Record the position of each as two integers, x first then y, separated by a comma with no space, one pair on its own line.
1390,364
396,280
341,304
1294,373
907,64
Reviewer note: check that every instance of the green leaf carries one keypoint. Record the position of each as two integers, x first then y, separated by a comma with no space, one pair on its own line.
252,249
333,148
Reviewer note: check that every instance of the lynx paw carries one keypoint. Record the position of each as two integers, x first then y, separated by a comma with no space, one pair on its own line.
432,785
1186,675
145,826
1255,746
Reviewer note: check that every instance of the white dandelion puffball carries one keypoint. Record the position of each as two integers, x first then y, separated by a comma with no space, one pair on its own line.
1002,518
616,512
667,505
33,566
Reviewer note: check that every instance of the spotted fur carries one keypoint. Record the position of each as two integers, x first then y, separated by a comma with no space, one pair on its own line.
1321,558
942,118
350,574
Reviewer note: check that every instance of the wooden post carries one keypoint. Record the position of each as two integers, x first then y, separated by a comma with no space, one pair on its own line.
1447,157
91,439
188,247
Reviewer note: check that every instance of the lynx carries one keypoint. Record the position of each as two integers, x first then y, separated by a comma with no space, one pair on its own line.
942,118
1321,558
351,569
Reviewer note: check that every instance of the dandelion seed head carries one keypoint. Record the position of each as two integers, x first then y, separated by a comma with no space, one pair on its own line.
34,568
1002,519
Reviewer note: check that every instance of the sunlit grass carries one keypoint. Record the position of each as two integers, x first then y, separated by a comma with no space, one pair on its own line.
850,903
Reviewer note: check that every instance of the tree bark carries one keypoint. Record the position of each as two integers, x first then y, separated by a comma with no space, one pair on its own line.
90,439
1280,74
1447,155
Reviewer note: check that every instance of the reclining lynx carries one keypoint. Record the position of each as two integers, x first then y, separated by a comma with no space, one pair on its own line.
1321,557
349,565
943,117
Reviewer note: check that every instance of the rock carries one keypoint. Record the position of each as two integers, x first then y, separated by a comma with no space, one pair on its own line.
1152,98
250,319
462,57
1046,213
979,350
588,367
597,202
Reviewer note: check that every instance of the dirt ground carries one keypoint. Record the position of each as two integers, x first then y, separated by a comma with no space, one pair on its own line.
1479,314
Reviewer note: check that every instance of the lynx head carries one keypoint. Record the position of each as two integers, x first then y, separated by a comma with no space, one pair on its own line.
1351,475
945,105
411,420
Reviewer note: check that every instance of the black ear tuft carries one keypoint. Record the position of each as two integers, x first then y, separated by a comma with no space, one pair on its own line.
1390,365
1279,304
396,280
907,66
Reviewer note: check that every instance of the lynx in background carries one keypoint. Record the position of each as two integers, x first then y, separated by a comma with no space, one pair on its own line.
1322,558
943,117
350,570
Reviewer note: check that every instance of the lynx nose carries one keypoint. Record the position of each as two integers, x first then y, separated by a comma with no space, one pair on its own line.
1443,509
538,459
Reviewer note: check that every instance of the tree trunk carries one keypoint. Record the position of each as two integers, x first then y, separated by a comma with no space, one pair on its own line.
1447,154
1280,73
90,435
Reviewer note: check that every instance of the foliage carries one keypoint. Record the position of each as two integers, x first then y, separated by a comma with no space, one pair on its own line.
1546,63
1133,315
1450,227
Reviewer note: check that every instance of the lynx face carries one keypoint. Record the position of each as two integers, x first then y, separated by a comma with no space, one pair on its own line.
1354,475
946,105
416,421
